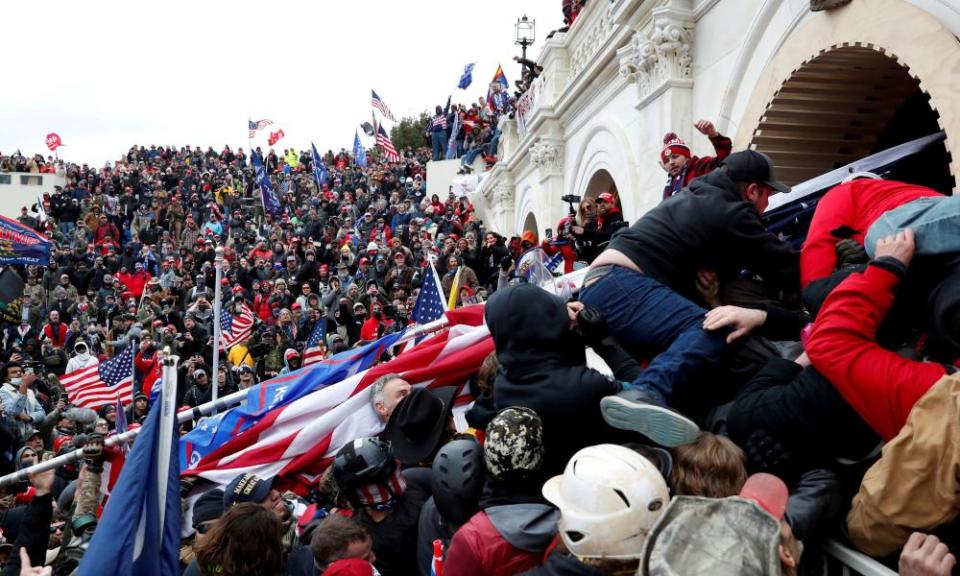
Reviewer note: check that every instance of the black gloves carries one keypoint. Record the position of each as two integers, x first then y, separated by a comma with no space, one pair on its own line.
850,253
93,453
592,325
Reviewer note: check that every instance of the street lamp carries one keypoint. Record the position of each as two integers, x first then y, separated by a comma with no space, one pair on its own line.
525,32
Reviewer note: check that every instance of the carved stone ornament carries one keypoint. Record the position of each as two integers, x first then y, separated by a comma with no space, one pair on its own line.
662,54
503,192
546,155
592,39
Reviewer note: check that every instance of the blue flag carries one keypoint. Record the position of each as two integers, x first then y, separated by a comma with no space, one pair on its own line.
211,433
21,244
358,152
319,170
467,76
452,143
139,532
270,202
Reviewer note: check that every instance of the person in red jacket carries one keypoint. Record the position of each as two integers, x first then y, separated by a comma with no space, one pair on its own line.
515,524
135,282
562,243
879,384
682,166
914,406
261,303
846,212
148,362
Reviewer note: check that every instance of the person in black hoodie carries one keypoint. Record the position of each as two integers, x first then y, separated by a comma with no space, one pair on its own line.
645,284
543,367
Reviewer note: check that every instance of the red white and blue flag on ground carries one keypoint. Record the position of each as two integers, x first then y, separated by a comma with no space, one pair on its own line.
298,441
311,351
234,329
379,105
21,244
258,125
139,532
212,434
100,384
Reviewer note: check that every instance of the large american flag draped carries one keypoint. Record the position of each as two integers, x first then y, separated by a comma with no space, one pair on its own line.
234,329
383,141
430,304
258,125
311,350
379,105
94,386
298,441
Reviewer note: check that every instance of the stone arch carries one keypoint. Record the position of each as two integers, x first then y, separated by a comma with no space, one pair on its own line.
869,38
530,224
606,150
526,211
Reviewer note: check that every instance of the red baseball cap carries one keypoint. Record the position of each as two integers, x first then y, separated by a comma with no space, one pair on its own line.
607,197
349,567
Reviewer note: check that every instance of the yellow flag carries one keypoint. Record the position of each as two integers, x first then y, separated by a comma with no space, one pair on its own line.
454,289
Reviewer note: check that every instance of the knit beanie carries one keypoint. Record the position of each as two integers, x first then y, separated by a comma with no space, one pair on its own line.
672,144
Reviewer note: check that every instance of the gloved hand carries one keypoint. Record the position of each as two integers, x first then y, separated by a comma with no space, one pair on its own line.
850,253
592,325
765,453
93,452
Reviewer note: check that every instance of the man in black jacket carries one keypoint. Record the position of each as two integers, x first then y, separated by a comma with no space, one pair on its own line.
644,284
542,366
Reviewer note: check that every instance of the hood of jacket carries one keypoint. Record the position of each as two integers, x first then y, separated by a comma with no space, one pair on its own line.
531,330
529,527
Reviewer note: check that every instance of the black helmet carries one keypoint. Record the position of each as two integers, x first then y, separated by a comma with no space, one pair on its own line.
457,480
363,461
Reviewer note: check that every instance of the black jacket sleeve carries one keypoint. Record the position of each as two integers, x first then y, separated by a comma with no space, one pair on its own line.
761,251
34,534
625,368
783,324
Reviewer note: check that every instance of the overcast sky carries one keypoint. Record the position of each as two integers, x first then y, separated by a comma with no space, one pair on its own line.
108,75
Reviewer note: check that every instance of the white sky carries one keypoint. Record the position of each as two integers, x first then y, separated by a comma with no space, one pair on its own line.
107,75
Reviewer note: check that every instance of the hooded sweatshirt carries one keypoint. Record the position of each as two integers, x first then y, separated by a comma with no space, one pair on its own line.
542,366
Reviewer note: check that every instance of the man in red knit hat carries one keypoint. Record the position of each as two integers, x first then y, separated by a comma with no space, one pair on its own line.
682,166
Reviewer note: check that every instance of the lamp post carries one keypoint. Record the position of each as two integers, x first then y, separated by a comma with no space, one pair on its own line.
217,296
525,30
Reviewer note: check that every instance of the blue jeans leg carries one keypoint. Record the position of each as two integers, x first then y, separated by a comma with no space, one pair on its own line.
436,139
642,312
935,221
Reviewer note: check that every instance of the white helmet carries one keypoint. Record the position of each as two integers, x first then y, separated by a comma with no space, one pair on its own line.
609,498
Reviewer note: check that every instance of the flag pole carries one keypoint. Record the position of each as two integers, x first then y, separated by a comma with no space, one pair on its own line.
212,407
169,375
217,297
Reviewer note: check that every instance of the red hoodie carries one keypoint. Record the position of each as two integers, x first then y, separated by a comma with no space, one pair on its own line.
854,206
879,384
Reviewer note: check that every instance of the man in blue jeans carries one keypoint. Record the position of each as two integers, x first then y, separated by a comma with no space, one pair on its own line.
644,283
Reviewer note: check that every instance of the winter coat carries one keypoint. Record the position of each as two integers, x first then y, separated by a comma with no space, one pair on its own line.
708,225
560,564
881,385
697,166
543,367
505,539
847,211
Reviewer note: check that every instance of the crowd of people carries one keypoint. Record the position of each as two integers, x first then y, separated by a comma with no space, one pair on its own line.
760,399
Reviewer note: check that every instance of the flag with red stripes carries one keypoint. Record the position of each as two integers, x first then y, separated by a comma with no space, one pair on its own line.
94,386
298,441
311,350
379,105
235,329
383,141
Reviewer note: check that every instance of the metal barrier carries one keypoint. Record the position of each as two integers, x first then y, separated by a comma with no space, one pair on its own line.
843,561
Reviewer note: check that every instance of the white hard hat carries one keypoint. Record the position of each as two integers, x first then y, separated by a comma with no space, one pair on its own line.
609,498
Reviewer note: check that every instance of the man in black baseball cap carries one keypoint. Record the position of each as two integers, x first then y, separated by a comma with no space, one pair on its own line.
646,285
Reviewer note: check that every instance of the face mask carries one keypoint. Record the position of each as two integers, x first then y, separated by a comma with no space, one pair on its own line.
16,381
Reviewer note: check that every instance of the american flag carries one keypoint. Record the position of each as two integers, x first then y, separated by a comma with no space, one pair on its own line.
311,351
94,386
379,105
258,125
297,441
235,329
430,304
383,141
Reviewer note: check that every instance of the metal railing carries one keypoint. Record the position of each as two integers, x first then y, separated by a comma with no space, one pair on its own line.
844,561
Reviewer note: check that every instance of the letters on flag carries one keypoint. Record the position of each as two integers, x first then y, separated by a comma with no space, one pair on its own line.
467,77
54,141
270,202
359,154
21,244
319,170
275,137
